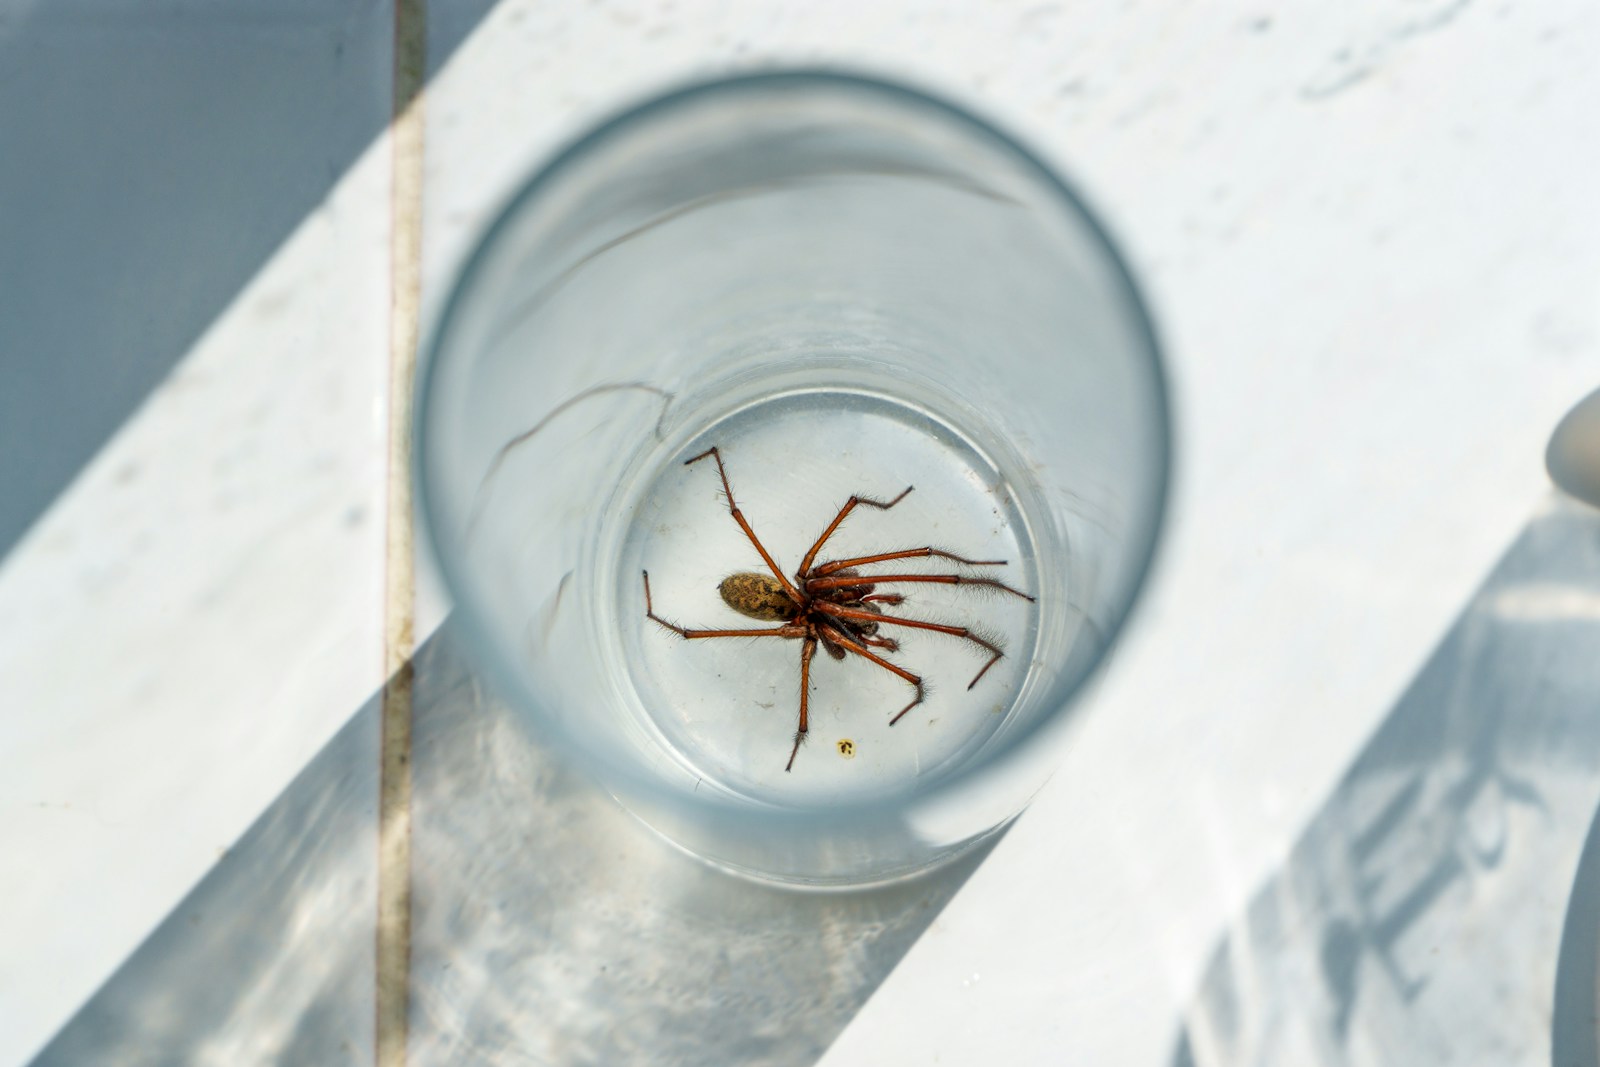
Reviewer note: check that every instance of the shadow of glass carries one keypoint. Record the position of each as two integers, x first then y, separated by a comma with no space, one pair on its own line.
1418,918
552,927
154,157
549,926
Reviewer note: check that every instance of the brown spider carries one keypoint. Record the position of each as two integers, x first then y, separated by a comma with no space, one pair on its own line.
833,604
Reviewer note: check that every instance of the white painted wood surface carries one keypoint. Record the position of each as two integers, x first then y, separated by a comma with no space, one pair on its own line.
199,610
1369,234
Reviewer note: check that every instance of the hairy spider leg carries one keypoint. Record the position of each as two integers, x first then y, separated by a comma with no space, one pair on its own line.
738,517
807,650
843,640
908,553
850,581
840,611
787,630
849,506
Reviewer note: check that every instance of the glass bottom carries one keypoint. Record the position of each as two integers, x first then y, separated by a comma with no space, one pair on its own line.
725,710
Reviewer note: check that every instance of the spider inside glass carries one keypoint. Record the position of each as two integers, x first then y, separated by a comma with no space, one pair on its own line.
833,604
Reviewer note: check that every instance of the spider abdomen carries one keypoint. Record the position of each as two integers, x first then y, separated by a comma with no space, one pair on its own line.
757,596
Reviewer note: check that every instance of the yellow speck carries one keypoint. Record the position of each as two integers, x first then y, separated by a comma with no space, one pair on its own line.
847,748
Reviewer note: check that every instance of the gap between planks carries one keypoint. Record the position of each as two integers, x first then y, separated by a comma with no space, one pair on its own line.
393,950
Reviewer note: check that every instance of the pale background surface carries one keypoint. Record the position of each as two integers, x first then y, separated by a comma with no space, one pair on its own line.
1339,773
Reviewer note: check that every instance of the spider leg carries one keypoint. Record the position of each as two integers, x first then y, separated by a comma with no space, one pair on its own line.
807,650
849,506
789,630
738,517
850,581
844,640
906,553
954,631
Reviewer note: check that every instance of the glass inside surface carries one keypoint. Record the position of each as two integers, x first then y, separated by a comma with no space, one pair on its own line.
847,289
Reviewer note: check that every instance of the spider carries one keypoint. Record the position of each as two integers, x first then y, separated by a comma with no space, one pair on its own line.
833,604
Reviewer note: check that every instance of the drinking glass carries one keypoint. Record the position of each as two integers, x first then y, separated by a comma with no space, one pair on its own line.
847,287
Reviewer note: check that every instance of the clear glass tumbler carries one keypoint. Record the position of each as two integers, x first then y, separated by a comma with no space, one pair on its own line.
847,288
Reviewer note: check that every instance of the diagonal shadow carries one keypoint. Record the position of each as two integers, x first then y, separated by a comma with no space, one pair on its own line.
1419,918
549,926
152,157
270,958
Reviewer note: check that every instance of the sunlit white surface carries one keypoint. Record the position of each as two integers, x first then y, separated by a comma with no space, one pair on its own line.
1370,234
1374,257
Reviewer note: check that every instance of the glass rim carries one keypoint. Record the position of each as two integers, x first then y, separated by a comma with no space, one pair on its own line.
446,544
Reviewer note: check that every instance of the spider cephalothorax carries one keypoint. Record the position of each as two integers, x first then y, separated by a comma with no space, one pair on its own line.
760,596
833,604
